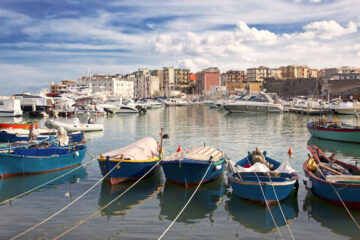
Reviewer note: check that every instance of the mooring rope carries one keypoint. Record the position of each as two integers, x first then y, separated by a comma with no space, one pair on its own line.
68,205
281,210
348,211
267,204
105,206
187,203
48,182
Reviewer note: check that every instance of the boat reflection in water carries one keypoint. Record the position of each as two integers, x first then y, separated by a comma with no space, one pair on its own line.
331,216
12,187
207,198
145,189
344,148
257,217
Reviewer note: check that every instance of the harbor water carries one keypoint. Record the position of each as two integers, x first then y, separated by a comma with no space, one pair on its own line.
147,209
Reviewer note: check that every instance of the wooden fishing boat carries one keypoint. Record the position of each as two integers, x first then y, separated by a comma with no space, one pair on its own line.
24,125
75,127
265,182
334,130
335,181
19,135
135,160
188,167
39,160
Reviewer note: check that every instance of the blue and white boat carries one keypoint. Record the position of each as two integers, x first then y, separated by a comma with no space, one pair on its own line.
332,180
22,161
131,162
9,136
334,130
265,182
188,167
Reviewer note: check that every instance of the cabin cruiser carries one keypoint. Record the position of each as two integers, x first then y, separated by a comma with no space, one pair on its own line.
348,108
264,102
10,108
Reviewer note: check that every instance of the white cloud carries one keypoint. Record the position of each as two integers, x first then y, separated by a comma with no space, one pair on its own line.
329,29
247,34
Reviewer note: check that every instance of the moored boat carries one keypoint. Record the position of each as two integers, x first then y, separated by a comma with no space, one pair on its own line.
19,135
262,179
22,161
76,126
335,181
131,162
334,130
188,167
23,125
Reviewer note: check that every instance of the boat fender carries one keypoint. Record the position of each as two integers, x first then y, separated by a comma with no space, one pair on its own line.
309,184
76,153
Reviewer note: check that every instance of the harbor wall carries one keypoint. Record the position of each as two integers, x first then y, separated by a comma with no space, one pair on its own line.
293,87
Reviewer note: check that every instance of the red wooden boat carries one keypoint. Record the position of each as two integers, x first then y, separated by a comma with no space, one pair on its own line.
24,125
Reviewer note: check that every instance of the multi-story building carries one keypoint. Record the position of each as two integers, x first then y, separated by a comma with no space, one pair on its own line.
313,73
328,72
294,71
182,80
146,84
56,87
206,79
234,80
258,74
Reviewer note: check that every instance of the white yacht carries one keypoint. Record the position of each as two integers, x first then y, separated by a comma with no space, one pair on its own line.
263,102
348,108
10,108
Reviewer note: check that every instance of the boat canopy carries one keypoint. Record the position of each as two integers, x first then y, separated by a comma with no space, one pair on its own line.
200,153
143,149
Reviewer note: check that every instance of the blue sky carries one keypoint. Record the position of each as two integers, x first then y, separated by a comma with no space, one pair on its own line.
46,40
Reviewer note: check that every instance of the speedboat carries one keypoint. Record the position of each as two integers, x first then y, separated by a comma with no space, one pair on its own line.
259,103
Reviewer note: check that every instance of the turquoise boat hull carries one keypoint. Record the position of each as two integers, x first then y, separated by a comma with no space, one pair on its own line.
36,161
337,134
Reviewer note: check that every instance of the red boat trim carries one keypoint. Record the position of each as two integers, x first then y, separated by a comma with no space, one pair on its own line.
9,175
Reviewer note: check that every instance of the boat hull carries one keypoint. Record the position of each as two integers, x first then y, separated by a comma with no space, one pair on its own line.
11,138
18,125
127,170
261,191
349,193
190,172
248,107
337,134
16,164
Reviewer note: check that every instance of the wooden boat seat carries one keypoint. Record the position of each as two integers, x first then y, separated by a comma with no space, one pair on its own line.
343,178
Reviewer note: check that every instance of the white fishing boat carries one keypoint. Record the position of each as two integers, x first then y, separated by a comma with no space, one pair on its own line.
76,126
10,108
259,103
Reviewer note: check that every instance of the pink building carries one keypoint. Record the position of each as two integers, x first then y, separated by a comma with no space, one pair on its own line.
206,79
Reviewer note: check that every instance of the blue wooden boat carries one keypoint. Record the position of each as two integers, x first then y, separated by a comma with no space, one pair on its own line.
134,161
188,167
334,130
22,161
324,174
262,187
7,137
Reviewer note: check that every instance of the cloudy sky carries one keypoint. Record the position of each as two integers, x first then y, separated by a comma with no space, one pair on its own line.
47,40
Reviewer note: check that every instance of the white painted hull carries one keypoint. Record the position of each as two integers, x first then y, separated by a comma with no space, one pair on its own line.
11,113
75,127
347,111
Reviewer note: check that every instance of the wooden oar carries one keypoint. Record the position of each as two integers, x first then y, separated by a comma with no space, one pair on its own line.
323,165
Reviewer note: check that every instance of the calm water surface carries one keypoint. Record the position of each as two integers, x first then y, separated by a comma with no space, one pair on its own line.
148,209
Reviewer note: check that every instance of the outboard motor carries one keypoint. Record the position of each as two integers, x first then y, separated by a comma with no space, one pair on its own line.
140,109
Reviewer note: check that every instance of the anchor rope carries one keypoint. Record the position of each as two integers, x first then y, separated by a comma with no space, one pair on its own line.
348,211
266,203
48,182
281,210
105,206
68,205
187,203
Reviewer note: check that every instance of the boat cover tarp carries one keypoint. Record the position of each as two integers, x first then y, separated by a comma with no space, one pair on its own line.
41,152
200,153
285,167
141,150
